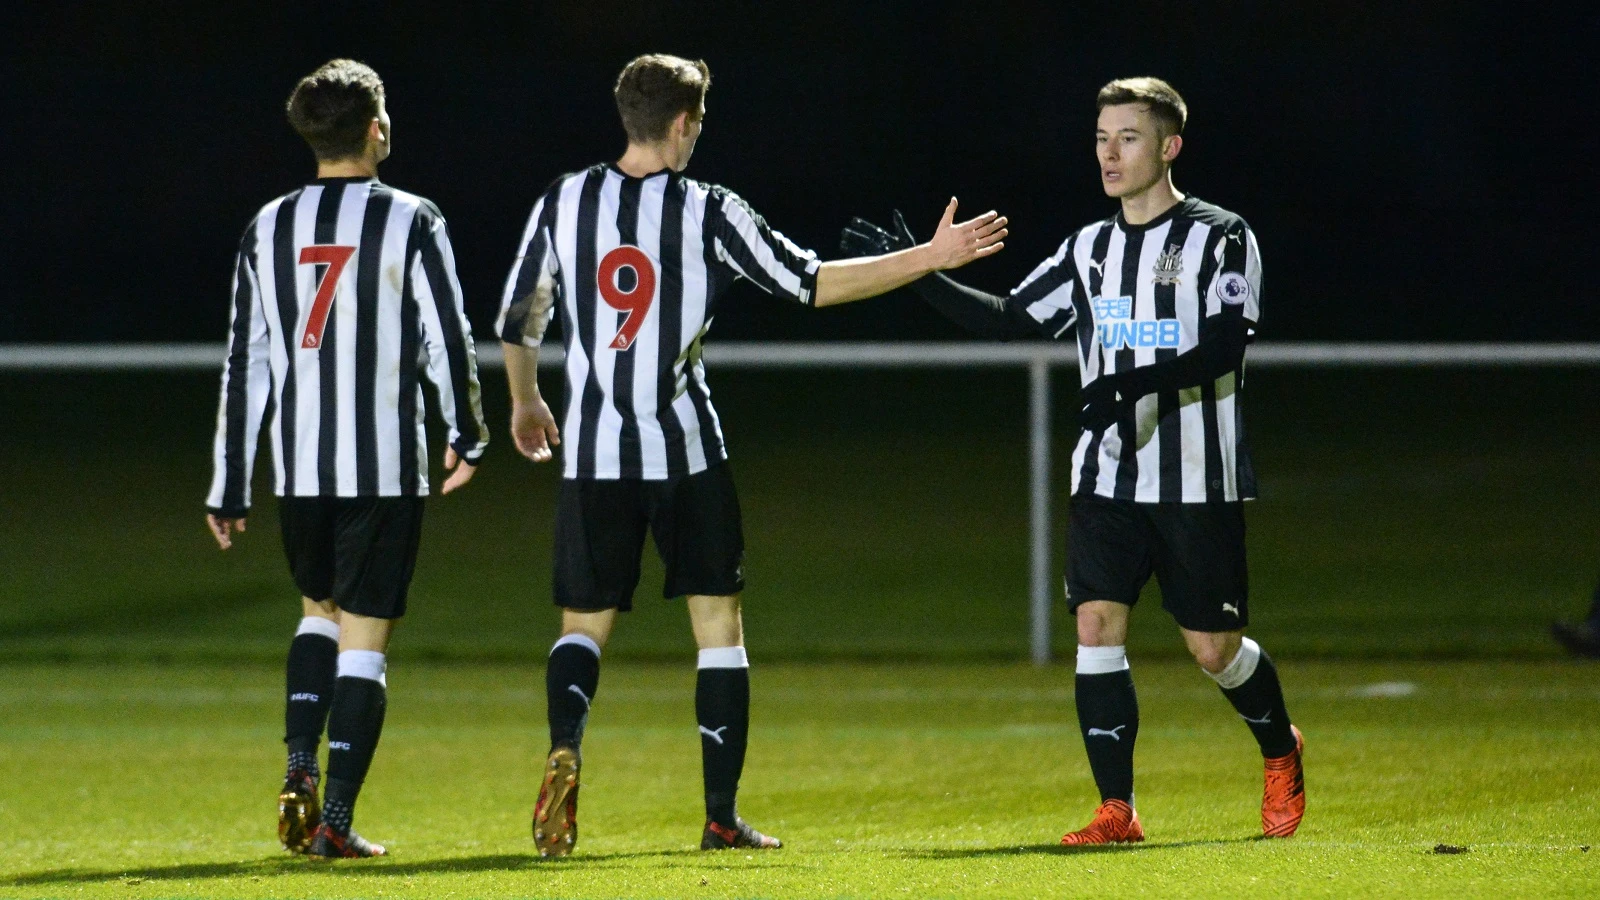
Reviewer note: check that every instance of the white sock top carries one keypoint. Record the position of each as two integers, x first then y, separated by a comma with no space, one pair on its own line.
328,628
1243,665
724,658
581,640
368,664
1102,660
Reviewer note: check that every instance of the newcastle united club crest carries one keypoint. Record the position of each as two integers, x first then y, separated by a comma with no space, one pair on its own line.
1169,265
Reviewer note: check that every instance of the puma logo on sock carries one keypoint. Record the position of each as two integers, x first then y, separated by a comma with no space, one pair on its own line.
581,695
1230,608
1266,718
714,735
1110,734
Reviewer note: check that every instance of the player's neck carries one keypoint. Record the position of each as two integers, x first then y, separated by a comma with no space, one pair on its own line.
365,167
640,160
1150,203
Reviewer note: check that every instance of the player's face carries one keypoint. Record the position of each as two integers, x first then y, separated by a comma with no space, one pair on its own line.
1133,155
384,143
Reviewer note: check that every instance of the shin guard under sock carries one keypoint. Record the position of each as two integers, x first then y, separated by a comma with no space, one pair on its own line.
1108,715
1250,683
355,724
722,707
570,679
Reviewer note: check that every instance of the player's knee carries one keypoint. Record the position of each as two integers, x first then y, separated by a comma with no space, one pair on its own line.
1102,623
1214,651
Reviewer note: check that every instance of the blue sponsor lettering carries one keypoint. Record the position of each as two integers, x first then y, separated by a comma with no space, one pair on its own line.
1130,334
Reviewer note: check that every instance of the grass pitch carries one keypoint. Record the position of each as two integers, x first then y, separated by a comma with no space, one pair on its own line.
885,780
1438,517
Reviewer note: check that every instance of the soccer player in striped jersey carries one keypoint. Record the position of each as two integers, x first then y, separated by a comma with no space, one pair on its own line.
345,299
1162,300
635,257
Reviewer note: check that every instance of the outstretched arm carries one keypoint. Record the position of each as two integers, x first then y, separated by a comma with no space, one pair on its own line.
982,313
953,245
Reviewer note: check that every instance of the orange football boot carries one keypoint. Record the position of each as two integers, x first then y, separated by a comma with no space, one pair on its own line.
1115,822
1283,800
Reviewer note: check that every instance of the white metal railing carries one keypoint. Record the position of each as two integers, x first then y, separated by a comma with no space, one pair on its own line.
1038,358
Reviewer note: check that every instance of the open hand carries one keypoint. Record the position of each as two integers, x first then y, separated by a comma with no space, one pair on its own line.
956,244
533,430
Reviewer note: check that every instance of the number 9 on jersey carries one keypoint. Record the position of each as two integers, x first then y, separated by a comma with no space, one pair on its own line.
627,265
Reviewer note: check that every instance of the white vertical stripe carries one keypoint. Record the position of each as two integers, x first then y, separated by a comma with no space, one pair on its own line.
607,456
308,374
647,349
386,400
346,313
266,225
566,244
691,324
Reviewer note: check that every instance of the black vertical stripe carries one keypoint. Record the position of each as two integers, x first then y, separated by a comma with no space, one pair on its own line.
700,396
1169,424
585,284
670,319
284,262
1215,487
369,264
327,232
410,362
629,452
1097,277
447,306
1128,423
237,400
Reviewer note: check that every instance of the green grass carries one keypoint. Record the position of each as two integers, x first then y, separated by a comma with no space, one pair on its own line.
1439,514
1418,527
885,780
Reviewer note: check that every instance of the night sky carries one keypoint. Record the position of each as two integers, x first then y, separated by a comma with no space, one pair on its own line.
1425,176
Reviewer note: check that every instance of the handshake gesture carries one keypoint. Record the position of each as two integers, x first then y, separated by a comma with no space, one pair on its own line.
954,243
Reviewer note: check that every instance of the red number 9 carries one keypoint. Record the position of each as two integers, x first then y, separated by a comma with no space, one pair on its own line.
635,302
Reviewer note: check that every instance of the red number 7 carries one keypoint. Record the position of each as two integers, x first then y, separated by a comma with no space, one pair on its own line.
335,257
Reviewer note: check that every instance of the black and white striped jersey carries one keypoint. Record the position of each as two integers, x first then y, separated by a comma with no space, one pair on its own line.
636,265
1135,295
345,298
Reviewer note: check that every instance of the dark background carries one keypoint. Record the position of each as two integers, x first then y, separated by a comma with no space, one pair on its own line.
1412,174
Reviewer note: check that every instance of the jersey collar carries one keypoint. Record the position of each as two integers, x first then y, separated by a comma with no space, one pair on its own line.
1186,205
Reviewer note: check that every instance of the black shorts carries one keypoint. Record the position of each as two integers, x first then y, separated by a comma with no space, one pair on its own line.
1195,550
358,552
600,528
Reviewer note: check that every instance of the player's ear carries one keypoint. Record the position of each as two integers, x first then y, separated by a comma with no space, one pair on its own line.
1171,147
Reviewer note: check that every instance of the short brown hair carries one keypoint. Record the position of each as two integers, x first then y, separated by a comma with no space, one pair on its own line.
654,88
1166,106
332,107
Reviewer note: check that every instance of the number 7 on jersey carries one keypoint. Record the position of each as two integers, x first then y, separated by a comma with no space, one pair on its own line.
335,256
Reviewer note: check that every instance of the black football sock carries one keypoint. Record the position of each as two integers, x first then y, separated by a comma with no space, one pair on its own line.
1108,715
722,706
354,725
313,665
570,679
1250,683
